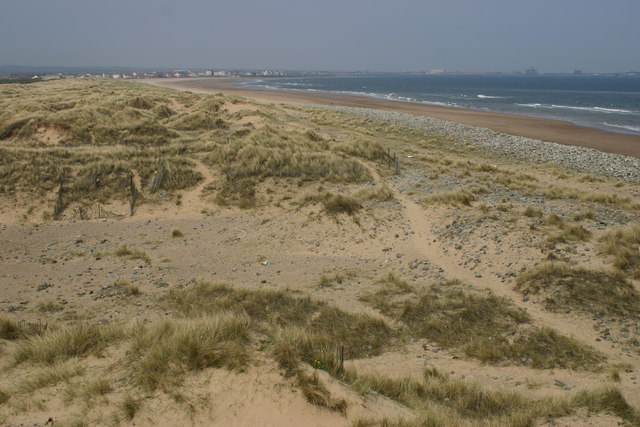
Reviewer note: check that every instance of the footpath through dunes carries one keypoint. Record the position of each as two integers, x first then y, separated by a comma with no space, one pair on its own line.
294,265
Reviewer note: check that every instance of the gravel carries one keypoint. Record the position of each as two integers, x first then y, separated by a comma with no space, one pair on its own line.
580,159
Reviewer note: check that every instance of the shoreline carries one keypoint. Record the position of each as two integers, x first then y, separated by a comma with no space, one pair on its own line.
549,130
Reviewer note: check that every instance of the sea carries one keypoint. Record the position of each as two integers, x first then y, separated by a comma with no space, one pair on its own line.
611,103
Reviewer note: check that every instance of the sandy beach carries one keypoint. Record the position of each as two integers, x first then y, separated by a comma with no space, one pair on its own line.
557,131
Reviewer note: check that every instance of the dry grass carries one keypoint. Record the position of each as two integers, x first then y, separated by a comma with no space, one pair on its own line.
460,197
9,329
125,287
441,400
60,344
555,192
623,244
570,233
126,252
50,376
381,193
593,291
483,326
335,204
160,353
363,148
317,394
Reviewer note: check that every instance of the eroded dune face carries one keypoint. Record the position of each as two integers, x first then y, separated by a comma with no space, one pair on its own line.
218,261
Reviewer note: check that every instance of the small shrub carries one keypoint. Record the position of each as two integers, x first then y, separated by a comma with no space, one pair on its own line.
177,233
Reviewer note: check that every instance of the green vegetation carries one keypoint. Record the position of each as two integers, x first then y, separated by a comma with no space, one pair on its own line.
480,324
592,291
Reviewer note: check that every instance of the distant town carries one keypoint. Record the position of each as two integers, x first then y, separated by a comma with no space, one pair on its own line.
28,74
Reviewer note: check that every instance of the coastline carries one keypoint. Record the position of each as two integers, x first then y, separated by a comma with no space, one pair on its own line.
561,132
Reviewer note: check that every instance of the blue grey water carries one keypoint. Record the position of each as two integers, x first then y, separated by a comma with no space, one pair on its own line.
607,102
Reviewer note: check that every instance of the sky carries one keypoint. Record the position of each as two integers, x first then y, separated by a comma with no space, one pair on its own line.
333,35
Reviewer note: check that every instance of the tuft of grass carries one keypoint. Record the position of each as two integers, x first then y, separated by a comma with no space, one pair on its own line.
317,394
570,233
484,326
4,396
177,233
335,204
392,285
554,219
49,307
239,192
454,197
9,329
592,291
130,406
623,244
381,193
363,148
160,353
555,192
441,400
532,212
66,342
126,252
50,376
125,287
584,214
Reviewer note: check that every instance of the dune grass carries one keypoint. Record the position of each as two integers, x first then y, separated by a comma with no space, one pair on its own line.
160,353
460,197
335,204
587,290
66,342
481,325
439,399
124,251
623,244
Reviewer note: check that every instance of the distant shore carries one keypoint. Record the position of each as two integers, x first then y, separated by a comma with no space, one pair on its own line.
557,131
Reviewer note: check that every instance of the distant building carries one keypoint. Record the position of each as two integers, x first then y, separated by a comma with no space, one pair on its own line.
531,71
438,71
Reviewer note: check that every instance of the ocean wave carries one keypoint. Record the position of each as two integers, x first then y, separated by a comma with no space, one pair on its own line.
628,127
481,96
590,109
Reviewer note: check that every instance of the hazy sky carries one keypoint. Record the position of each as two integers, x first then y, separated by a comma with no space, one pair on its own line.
375,35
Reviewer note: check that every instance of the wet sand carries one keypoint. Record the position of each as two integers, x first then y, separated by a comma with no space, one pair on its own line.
558,131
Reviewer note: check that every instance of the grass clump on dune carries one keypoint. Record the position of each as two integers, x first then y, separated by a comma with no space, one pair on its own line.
271,153
623,244
161,352
592,291
483,326
438,399
335,204
555,192
125,252
460,197
363,148
78,340
9,329
381,193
